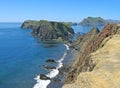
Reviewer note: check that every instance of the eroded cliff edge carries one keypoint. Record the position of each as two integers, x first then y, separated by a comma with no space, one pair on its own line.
98,63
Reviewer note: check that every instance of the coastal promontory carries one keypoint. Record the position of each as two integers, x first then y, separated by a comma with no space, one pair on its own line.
49,29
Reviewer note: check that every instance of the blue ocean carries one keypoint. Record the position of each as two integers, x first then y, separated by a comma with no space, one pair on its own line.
22,56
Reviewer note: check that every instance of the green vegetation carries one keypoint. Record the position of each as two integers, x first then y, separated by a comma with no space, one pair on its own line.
69,23
49,29
93,21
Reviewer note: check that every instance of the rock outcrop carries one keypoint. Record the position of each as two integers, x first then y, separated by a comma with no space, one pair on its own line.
94,21
49,67
50,61
82,40
49,29
92,69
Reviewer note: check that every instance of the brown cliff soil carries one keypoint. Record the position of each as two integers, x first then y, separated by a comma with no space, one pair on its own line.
84,62
106,73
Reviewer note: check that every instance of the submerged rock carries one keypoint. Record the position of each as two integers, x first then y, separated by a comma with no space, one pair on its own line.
49,67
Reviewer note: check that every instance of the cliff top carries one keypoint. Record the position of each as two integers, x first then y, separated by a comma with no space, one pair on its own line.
106,73
86,63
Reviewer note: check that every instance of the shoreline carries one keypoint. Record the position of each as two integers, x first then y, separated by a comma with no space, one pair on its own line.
58,81
53,76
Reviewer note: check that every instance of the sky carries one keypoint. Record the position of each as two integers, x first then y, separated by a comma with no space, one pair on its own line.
58,10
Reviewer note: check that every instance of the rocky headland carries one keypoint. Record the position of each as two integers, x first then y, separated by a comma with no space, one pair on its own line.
48,30
97,65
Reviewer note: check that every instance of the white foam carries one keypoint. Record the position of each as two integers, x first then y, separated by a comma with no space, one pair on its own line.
60,64
67,47
41,83
54,72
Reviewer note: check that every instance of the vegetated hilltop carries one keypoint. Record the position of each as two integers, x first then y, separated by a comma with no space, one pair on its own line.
93,21
98,62
49,29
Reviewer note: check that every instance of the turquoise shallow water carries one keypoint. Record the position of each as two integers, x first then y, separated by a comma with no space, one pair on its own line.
22,56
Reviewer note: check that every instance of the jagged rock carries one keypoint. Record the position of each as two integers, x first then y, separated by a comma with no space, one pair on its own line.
82,40
49,29
49,67
44,77
50,61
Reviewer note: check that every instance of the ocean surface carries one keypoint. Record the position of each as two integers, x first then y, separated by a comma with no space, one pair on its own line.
22,56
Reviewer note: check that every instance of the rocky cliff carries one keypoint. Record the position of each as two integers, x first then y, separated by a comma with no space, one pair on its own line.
98,63
94,21
49,29
81,41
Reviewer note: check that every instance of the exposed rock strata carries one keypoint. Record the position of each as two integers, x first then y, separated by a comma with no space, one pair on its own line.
84,62
106,73
82,40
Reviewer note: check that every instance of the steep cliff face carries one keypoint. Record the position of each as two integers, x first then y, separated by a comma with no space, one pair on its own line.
82,40
84,62
106,73
49,30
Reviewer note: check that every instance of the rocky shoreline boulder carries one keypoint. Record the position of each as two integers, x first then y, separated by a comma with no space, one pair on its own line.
43,77
50,61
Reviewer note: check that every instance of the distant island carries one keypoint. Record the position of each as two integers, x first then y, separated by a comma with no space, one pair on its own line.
48,30
93,21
